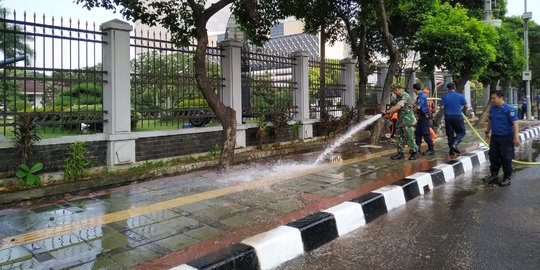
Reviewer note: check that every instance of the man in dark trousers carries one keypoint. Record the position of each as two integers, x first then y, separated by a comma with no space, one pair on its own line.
453,104
422,125
523,102
504,136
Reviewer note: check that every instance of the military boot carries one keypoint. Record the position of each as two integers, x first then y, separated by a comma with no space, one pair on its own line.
493,179
505,182
429,152
414,155
454,147
398,156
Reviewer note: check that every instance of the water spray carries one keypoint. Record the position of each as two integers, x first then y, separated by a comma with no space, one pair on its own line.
357,128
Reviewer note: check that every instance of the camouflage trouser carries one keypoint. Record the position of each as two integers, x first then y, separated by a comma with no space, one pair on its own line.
405,136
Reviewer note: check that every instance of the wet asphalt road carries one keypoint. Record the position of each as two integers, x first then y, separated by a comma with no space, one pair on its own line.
463,224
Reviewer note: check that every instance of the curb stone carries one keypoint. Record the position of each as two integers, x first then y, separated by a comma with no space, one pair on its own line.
272,248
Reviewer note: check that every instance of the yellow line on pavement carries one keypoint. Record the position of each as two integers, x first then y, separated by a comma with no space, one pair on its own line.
75,226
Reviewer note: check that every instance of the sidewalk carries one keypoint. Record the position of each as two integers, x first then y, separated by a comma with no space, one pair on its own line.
167,222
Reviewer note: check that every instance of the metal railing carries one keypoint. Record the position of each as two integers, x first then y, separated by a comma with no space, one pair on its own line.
52,70
326,85
164,93
267,83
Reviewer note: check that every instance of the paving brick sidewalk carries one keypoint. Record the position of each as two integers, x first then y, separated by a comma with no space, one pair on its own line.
207,223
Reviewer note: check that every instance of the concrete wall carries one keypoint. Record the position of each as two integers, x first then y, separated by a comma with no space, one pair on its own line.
52,156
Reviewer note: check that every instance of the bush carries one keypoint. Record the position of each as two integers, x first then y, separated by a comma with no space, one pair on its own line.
192,103
76,164
83,93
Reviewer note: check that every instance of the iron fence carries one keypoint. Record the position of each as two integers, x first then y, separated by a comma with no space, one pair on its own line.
51,71
267,83
325,87
164,93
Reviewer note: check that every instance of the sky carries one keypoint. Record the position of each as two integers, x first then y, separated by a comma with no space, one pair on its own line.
67,8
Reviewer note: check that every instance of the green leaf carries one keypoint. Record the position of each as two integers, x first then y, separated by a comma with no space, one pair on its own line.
32,179
37,167
21,174
24,167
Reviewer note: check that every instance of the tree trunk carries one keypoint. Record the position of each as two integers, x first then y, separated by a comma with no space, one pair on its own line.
226,115
484,117
362,86
322,73
394,61
362,73
485,112
462,81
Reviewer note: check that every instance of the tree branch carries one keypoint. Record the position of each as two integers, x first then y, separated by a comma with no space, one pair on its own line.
214,8
194,7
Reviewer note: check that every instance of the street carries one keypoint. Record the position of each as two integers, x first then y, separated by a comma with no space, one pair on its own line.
463,224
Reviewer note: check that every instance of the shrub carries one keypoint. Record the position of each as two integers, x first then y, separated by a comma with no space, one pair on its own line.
76,164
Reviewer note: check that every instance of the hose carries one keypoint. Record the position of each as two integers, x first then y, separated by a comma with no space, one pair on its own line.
527,163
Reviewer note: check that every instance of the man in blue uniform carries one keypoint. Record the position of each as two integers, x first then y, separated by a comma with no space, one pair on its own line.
422,125
453,104
523,102
504,136
537,106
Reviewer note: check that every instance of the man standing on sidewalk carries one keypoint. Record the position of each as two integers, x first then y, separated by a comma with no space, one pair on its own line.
523,102
422,126
537,106
401,103
453,104
504,136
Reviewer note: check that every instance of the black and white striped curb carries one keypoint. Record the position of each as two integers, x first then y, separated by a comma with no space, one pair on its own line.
272,248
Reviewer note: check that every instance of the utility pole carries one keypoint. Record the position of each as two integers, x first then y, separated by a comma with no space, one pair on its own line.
527,73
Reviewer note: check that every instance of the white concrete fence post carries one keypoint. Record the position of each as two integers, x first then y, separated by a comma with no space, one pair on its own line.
301,97
381,76
116,93
231,94
349,80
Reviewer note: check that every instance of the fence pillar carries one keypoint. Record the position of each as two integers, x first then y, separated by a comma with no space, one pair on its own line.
383,70
349,80
116,93
485,95
467,93
447,79
231,94
301,97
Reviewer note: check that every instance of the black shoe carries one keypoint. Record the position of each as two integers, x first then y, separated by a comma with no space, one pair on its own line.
429,152
505,182
414,155
494,179
451,152
397,156
456,150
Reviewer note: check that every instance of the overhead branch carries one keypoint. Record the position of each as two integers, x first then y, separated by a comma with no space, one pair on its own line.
214,8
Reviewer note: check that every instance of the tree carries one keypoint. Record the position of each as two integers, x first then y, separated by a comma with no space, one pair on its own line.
395,57
509,61
452,40
186,20
516,25
12,45
476,8
354,21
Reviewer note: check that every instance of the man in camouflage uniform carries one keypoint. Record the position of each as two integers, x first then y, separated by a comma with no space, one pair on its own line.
402,103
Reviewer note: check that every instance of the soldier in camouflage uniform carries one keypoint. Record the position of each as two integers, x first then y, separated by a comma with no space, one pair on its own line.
402,103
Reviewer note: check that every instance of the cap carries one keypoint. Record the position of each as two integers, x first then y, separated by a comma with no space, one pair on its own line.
396,85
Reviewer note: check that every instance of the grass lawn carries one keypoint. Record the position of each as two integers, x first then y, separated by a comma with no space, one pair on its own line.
148,125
